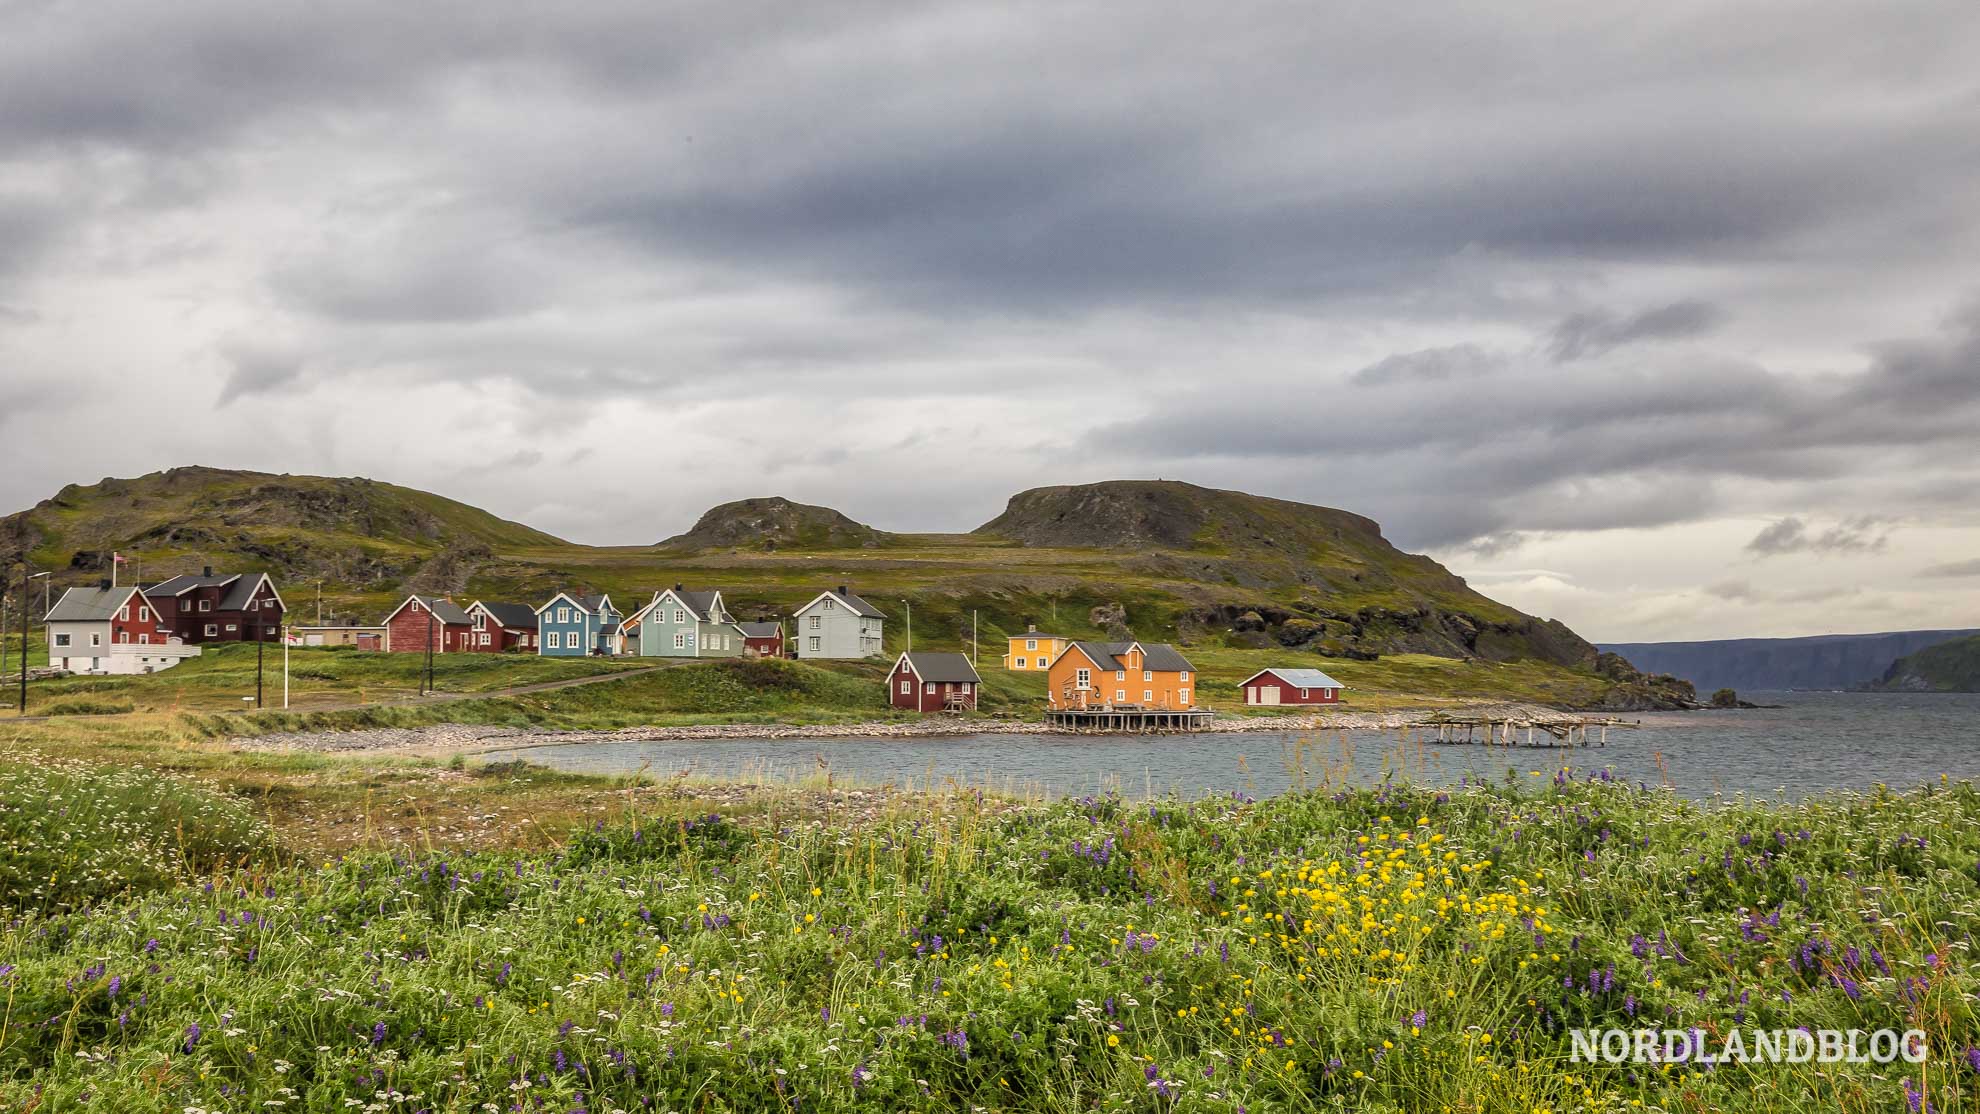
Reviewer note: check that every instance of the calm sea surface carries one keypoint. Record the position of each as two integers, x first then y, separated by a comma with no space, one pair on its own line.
1817,741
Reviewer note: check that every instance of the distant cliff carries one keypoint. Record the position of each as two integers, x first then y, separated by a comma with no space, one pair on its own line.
1830,661
1946,667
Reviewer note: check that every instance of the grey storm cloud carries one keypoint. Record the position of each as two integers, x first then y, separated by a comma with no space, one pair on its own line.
1593,332
1953,569
1861,534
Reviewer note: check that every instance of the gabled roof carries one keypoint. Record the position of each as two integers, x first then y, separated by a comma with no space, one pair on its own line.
940,668
180,585
518,616
846,600
701,604
89,605
445,610
1158,656
242,593
582,603
1297,678
760,630
1039,635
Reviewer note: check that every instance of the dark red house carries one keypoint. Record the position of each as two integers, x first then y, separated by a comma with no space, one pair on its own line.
1269,687
421,620
933,683
497,627
765,640
230,607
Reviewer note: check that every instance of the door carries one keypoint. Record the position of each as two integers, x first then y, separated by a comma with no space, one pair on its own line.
1268,694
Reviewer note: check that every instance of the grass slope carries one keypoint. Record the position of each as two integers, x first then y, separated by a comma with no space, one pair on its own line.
1947,667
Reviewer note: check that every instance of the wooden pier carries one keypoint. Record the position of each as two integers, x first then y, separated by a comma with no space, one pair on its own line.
1548,730
1141,721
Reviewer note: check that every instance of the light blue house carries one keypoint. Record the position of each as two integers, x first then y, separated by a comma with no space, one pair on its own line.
683,624
572,626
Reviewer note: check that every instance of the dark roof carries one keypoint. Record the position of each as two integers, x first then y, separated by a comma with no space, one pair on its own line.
88,605
180,585
1039,634
445,610
697,602
942,668
587,603
853,604
609,628
521,616
760,630
592,603
1159,656
242,593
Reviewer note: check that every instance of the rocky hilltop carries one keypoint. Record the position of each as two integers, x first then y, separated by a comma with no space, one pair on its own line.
774,522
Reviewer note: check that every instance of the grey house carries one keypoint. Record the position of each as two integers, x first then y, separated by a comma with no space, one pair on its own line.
838,624
683,624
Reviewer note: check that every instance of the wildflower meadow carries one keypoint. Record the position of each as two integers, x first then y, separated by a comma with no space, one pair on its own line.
1391,949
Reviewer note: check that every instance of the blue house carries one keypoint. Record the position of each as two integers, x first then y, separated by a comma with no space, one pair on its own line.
572,626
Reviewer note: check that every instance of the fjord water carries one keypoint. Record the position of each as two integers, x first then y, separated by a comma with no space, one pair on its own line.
1814,742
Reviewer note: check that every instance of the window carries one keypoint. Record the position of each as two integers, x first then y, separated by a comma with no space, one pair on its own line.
814,643
907,687
144,640
1019,663
680,616
268,605
1182,696
1083,679
815,623
680,641
212,630
1120,695
556,640
1302,694
1147,675
928,687
1185,676
480,621
206,605
233,627
144,615
96,640
61,640
563,614
1120,674
828,605
1031,643
124,614
484,638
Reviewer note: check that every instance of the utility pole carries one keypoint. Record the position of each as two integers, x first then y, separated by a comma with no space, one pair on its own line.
260,638
319,603
972,636
910,625
25,586
285,663
429,650
6,596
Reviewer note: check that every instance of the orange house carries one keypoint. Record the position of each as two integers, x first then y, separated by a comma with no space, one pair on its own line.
1094,675
1034,652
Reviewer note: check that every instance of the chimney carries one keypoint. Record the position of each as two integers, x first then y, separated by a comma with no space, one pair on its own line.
104,584
207,571
1031,628
842,590
679,587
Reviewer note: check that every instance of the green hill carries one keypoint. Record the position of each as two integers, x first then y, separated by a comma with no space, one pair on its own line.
1160,561
1947,667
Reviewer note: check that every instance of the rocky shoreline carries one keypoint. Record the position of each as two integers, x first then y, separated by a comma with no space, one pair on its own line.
452,738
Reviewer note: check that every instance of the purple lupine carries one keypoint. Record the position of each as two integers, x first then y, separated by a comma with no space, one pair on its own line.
192,1036
378,1034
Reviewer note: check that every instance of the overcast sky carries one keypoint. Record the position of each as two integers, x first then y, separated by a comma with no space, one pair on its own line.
1661,319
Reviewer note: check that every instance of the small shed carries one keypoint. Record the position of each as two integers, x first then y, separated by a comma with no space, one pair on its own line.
1271,687
764,640
933,683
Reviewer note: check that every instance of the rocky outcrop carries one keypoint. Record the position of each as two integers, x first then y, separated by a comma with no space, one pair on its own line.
1952,666
774,522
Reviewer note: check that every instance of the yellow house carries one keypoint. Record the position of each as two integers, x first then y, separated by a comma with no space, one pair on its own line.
1032,651
1111,675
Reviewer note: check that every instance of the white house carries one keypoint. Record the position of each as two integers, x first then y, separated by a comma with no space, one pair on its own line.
111,630
838,624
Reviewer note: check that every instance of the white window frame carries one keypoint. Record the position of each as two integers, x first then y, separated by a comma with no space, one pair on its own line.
1120,696
62,640
96,638
212,630
563,614
680,615
1083,679
817,622
1182,697
1147,675
1302,694
1120,674
1185,676
1031,644
484,638
814,647
124,614
144,640
1147,695
206,605
231,627
907,686
1018,664
144,615
680,640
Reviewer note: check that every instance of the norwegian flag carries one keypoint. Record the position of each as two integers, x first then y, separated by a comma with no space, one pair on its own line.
120,559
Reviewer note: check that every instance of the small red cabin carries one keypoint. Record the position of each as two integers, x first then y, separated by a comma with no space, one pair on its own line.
933,683
423,619
765,640
1270,687
499,627
229,607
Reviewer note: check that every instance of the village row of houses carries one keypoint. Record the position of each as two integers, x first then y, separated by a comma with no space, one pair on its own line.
107,629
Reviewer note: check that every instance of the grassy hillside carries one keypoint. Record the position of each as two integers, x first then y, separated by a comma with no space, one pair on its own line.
1947,667
1210,570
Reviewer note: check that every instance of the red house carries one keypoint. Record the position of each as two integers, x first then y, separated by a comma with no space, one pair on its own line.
1269,687
230,607
933,683
764,640
501,626
424,620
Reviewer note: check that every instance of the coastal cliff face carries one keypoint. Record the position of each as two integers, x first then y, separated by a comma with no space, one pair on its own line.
1837,661
1952,666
